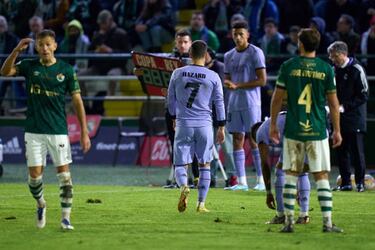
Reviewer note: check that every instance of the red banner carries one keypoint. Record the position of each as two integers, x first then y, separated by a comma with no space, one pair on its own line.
154,152
157,71
74,131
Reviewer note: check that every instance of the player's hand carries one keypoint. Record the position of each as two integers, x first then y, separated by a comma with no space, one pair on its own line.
229,84
270,201
164,91
104,49
174,124
336,139
274,134
23,44
85,143
220,135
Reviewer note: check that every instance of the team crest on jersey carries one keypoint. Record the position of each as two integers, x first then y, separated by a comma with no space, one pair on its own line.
36,73
60,77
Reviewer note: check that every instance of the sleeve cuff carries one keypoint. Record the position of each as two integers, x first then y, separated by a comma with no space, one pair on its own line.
221,123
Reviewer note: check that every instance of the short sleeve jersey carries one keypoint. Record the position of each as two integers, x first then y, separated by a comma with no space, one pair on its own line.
46,88
307,81
241,67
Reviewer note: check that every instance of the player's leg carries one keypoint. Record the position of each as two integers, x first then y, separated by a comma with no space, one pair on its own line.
293,156
250,117
60,151
303,187
359,161
182,156
36,152
344,162
279,185
203,149
319,164
235,126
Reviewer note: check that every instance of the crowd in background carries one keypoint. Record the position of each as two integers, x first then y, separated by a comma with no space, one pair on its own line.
110,26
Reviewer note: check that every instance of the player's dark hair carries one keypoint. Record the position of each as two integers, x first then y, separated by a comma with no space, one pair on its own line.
241,24
198,49
182,33
254,130
310,38
46,33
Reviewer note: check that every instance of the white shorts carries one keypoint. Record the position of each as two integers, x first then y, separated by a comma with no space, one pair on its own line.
317,153
37,146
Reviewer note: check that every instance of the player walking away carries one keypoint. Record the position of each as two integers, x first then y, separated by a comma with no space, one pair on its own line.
268,150
47,81
352,92
191,91
308,82
245,73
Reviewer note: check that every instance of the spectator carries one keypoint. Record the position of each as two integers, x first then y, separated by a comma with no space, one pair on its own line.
365,14
345,33
125,14
331,10
36,26
7,42
75,41
295,12
108,39
255,12
53,13
85,11
156,25
290,43
352,92
217,15
18,14
368,48
270,43
199,31
325,39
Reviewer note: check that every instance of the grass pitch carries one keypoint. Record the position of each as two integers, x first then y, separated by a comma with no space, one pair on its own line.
147,218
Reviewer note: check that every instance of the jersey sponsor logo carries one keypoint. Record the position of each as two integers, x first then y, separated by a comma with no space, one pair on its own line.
61,145
36,73
60,77
12,147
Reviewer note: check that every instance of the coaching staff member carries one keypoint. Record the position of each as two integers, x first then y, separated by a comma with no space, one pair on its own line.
352,92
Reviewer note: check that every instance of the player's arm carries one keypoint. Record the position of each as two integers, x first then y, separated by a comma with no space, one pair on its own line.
218,99
171,97
260,81
81,114
276,104
9,68
333,104
266,170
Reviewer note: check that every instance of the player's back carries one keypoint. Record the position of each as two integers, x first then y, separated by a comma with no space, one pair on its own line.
195,87
307,82
263,131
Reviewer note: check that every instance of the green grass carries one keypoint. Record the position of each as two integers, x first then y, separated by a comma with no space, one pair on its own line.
147,218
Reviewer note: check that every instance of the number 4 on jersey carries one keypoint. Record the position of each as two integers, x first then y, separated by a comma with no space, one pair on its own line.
195,88
305,97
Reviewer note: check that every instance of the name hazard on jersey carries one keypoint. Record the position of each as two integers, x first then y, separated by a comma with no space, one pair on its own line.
193,75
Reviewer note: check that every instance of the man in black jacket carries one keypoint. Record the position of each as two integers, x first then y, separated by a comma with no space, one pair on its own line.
352,92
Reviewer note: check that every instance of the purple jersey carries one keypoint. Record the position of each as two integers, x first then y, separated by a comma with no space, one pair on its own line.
263,133
191,92
241,67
